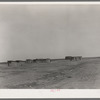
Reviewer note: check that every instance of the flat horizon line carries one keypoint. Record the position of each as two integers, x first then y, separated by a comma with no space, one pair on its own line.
49,58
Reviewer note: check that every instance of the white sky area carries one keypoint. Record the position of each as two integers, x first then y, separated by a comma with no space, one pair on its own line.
49,31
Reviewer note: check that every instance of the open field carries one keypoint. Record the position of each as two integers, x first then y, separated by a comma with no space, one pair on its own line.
58,74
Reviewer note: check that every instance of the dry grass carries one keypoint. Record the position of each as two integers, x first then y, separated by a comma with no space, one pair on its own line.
57,74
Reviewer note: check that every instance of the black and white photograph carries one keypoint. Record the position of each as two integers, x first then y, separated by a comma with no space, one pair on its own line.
49,46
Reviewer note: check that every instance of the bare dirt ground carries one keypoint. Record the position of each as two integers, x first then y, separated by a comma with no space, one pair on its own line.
61,74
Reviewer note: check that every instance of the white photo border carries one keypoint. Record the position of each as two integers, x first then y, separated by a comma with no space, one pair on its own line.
47,93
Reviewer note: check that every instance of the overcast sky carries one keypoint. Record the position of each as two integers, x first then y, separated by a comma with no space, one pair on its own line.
49,31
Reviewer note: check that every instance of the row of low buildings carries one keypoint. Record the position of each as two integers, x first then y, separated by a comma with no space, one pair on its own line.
47,60
38,60
20,62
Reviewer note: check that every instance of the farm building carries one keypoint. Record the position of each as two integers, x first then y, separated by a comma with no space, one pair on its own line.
73,58
15,63
78,58
29,61
68,58
42,60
